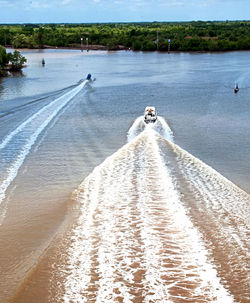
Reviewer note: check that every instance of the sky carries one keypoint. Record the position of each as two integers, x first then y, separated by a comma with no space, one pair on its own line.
88,11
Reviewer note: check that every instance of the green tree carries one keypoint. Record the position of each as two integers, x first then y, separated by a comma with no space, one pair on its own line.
20,41
148,46
16,60
38,36
136,45
3,56
3,59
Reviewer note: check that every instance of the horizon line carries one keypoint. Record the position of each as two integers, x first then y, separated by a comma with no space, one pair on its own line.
125,22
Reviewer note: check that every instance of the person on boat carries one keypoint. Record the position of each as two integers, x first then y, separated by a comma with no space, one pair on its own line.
88,77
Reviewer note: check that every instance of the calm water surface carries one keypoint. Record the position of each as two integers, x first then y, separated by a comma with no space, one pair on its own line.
55,128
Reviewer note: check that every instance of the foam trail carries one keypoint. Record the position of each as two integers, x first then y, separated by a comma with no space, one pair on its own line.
17,145
163,129
223,208
137,127
243,80
217,192
134,240
69,95
159,126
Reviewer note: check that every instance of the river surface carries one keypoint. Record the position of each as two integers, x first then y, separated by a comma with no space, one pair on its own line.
96,206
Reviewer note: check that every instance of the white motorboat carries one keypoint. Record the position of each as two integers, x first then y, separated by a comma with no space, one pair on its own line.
150,115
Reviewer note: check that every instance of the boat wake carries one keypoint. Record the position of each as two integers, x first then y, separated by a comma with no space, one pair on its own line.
156,225
160,126
15,147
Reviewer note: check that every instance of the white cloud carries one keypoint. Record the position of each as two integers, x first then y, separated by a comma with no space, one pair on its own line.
5,3
38,4
140,2
65,2
177,3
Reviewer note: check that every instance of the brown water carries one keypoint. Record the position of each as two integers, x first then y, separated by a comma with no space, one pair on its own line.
152,223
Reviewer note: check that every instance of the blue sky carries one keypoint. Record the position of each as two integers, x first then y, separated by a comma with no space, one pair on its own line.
64,11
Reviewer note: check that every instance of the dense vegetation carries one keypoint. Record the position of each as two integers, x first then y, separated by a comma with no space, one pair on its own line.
3,59
185,36
9,61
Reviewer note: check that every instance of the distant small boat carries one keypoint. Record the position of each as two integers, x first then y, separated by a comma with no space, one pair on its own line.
43,62
88,77
150,115
236,89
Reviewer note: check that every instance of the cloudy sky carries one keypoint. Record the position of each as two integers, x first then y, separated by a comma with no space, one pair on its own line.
45,11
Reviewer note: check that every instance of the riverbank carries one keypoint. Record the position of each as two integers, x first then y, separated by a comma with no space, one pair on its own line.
120,48
179,36
77,47
89,47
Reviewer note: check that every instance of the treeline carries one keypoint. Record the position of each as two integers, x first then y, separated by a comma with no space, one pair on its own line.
184,36
10,61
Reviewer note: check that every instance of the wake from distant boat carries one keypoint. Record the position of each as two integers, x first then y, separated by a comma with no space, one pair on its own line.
16,146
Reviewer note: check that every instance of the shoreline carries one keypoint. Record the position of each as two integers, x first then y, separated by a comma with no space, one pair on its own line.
76,47
120,48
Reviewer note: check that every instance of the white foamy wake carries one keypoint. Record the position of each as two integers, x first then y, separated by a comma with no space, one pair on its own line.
217,193
134,241
160,126
223,208
16,145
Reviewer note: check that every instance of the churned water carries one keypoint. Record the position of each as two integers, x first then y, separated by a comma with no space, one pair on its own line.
96,206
